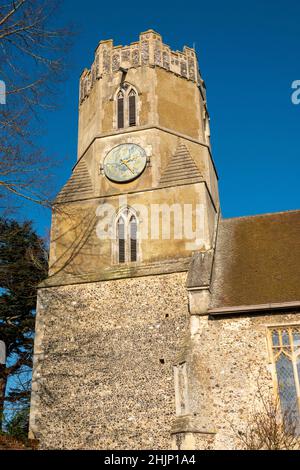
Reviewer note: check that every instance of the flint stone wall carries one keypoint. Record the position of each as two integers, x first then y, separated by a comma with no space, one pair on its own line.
104,375
239,368
104,371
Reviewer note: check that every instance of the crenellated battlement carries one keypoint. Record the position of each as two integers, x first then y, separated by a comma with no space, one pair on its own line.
148,51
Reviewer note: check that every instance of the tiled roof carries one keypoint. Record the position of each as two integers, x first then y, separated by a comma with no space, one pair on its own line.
181,169
257,260
78,186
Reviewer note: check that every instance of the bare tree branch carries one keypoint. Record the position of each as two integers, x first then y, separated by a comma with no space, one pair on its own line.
32,65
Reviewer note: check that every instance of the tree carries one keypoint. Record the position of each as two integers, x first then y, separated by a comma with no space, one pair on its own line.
19,424
23,264
32,64
268,427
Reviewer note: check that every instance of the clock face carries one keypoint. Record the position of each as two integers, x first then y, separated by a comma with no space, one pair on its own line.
125,163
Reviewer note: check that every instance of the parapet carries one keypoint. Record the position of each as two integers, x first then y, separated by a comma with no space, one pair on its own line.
148,51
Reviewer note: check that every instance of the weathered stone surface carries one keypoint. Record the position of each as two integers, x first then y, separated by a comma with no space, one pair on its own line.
106,376
139,354
78,186
200,270
181,169
239,365
149,48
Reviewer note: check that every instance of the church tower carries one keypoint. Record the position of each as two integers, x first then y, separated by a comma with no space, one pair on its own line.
113,323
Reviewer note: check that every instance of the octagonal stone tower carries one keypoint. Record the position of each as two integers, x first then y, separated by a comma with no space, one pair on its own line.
113,314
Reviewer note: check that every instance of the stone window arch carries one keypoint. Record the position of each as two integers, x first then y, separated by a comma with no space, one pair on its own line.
284,350
126,106
126,239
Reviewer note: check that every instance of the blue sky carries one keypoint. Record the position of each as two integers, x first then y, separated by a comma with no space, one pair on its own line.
249,57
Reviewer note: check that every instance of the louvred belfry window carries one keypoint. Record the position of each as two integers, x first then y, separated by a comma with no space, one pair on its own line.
126,107
121,240
133,234
127,237
120,109
132,108
286,356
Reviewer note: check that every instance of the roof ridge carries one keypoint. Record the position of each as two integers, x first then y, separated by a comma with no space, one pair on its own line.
260,215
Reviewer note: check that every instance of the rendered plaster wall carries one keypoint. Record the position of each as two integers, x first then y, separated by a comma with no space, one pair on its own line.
78,249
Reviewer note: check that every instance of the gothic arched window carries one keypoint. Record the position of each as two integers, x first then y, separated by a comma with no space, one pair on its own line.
120,109
132,108
126,237
284,343
126,107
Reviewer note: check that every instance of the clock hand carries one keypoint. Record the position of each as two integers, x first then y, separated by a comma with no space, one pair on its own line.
125,163
128,160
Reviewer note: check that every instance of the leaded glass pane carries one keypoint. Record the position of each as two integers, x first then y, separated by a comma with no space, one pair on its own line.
275,338
296,341
286,349
285,338
287,389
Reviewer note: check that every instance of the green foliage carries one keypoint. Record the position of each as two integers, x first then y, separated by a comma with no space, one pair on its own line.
23,264
18,425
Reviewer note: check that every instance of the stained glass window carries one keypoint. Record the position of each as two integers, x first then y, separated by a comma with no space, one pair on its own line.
286,356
